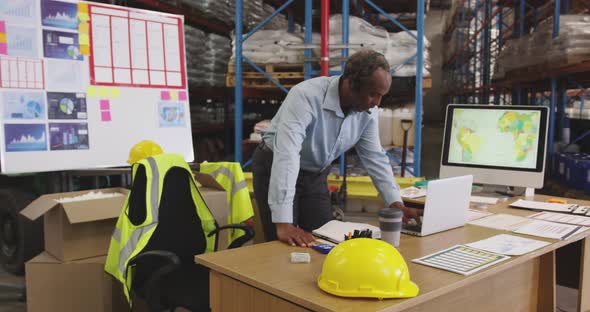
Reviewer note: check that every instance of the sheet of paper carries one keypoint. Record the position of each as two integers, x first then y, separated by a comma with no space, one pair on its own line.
65,75
549,229
62,45
501,222
508,245
171,114
562,218
59,14
23,104
18,72
413,192
24,12
476,214
22,41
461,259
535,205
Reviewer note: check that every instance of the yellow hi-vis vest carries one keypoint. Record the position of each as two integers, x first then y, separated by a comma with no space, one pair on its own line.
129,239
231,177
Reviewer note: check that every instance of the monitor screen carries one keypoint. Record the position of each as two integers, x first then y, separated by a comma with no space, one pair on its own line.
493,141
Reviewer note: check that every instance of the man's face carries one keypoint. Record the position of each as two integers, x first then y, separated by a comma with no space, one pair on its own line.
371,91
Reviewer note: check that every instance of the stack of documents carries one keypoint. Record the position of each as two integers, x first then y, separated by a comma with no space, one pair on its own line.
508,245
529,226
535,205
561,218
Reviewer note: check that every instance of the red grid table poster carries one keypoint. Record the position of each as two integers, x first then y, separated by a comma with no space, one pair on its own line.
21,73
136,48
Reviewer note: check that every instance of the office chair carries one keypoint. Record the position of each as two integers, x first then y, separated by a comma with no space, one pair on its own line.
164,273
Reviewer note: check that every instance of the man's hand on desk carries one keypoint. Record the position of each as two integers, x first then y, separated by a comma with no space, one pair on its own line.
409,213
294,236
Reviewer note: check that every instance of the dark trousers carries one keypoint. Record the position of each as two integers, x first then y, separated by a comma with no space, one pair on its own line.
311,204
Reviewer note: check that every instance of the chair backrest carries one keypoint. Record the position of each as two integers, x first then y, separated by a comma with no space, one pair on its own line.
179,226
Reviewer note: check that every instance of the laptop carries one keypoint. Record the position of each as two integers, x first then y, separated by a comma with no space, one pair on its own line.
447,204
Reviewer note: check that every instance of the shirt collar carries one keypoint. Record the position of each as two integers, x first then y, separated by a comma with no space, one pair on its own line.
332,98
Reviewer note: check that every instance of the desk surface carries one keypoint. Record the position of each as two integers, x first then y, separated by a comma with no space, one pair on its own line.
267,267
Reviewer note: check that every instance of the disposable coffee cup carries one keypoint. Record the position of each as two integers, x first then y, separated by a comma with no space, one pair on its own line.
390,224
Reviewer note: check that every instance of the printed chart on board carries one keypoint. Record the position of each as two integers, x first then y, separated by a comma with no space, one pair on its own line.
82,82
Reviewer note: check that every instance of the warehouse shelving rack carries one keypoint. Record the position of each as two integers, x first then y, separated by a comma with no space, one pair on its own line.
469,70
373,5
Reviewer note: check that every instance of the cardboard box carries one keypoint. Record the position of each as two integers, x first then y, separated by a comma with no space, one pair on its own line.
216,198
75,286
77,230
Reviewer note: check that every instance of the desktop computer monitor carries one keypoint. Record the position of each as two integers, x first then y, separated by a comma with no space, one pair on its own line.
498,145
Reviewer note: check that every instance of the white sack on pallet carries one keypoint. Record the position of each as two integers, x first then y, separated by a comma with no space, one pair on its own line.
397,47
573,40
272,46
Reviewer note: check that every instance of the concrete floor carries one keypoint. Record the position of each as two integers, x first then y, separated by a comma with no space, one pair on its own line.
8,298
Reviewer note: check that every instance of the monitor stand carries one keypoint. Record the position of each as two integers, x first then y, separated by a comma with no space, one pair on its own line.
504,192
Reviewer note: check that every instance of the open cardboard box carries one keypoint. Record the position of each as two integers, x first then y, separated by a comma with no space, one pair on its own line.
80,285
77,230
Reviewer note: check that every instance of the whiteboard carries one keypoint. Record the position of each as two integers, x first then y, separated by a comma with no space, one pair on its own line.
82,82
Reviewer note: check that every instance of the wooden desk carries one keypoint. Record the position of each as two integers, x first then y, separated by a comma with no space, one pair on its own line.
260,278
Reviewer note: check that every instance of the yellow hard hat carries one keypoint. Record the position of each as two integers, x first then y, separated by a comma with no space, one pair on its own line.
365,267
143,149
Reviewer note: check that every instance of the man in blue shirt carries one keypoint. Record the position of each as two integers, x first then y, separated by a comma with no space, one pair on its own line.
320,119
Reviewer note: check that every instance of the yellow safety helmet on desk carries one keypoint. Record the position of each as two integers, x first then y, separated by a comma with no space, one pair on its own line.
364,267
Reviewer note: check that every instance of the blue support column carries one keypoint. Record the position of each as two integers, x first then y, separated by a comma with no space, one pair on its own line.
566,6
521,20
556,13
419,66
345,19
562,118
238,88
291,21
551,134
307,53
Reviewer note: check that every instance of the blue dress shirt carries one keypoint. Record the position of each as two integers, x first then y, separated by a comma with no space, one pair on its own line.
309,131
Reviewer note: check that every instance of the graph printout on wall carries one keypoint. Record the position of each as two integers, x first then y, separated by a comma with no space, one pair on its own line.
82,82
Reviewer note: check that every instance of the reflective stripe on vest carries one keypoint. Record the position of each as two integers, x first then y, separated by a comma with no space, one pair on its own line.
117,235
136,235
235,186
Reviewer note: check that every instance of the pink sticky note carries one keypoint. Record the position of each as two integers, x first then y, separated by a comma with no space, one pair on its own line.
2,26
3,48
165,95
182,95
105,105
105,116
